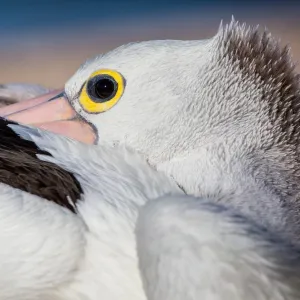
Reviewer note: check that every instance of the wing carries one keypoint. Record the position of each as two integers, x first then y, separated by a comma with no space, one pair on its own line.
193,249
41,243
21,168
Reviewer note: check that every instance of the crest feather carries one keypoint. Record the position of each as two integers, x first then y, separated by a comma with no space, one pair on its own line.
259,56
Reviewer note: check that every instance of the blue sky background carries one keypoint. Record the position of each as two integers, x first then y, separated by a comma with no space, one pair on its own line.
44,41
21,16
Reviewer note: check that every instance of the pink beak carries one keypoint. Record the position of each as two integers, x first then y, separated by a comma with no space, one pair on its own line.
51,112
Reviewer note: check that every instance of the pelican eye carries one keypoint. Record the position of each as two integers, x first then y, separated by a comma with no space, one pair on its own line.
101,91
102,88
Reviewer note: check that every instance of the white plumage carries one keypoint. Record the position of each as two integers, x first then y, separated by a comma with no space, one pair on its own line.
187,248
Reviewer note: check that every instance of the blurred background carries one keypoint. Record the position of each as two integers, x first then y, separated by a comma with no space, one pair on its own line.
45,41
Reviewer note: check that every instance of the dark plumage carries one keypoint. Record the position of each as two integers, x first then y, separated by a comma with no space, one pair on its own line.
259,56
20,168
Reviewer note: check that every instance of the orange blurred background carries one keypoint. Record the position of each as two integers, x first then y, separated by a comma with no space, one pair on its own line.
40,45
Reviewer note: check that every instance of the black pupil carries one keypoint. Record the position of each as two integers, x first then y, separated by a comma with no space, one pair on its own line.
104,88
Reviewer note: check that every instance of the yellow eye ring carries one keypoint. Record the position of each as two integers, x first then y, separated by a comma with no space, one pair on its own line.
102,91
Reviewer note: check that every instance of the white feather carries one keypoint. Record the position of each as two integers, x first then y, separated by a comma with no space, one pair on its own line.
187,248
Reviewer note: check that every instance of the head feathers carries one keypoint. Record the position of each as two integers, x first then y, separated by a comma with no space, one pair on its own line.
259,57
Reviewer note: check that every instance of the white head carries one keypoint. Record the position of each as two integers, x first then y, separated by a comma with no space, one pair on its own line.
190,106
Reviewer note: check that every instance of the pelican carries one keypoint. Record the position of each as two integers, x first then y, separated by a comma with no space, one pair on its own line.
204,204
